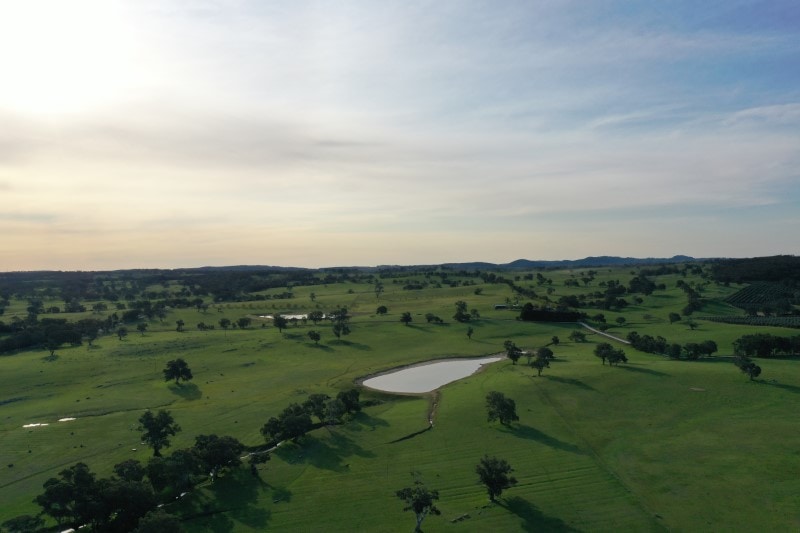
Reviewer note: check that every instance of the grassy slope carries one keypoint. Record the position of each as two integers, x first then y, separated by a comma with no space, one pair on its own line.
596,448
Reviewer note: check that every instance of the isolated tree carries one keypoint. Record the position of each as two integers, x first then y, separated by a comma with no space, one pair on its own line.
177,369
406,318
421,500
244,322
494,474
577,336
674,317
554,340
215,453
461,312
141,327
341,322
51,345
621,320
747,366
540,364
512,351
122,333
603,350
470,332
157,429
179,325
280,322
381,310
224,323
498,407
378,289
692,324
313,297
314,336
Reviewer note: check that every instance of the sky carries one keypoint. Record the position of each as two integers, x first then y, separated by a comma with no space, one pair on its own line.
185,133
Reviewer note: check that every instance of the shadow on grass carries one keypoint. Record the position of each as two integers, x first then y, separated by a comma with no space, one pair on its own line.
419,328
790,388
363,420
527,432
187,391
642,370
351,344
326,454
233,498
532,518
320,347
411,435
571,381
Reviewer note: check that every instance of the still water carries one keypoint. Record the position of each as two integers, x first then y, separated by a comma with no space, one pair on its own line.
427,377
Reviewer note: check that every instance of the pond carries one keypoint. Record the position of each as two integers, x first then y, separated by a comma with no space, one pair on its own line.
427,377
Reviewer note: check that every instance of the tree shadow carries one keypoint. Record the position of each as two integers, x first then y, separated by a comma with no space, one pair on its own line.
532,518
571,381
419,328
642,370
351,344
320,347
363,420
791,388
527,432
281,494
187,391
233,498
325,454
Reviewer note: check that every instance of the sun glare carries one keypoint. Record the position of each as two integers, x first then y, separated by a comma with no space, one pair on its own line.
64,57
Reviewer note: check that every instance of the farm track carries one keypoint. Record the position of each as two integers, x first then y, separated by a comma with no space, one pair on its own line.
603,333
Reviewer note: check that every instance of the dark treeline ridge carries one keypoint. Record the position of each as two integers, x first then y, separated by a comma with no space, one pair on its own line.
778,268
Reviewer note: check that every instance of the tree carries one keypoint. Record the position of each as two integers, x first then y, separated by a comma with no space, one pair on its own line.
512,351
621,320
350,399
747,366
494,474
121,333
314,336
51,345
280,322
157,429
159,521
692,324
72,497
555,340
381,310
674,317
316,405
461,312
577,336
179,323
617,356
498,407
313,297
470,332
406,318
420,500
177,369
341,322
141,327
23,524
215,453
244,322
540,364
378,289
316,316
603,350
225,323
130,470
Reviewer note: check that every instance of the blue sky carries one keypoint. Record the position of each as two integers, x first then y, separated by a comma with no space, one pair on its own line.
177,133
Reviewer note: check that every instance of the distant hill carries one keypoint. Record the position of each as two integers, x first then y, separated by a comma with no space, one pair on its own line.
601,261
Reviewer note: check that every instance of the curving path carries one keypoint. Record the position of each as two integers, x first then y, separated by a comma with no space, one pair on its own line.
603,333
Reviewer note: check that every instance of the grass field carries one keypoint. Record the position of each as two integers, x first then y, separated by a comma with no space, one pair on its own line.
652,445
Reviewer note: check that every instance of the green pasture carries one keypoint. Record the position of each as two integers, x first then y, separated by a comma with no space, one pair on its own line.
648,446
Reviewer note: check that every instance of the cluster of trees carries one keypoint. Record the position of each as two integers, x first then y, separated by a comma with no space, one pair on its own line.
660,345
766,345
128,500
295,420
531,313
747,366
606,352
693,298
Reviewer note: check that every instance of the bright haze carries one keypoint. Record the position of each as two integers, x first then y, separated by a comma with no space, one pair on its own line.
169,133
